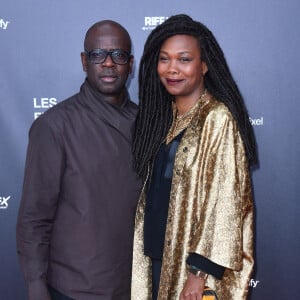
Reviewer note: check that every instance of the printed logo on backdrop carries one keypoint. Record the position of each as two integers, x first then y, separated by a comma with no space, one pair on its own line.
253,283
151,22
4,24
41,104
4,202
257,121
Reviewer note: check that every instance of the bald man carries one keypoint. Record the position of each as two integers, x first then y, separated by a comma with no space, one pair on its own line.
76,217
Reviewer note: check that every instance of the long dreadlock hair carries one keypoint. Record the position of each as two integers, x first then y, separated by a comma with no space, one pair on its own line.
155,103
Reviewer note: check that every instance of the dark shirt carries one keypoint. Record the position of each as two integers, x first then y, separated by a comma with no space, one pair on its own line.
76,218
157,199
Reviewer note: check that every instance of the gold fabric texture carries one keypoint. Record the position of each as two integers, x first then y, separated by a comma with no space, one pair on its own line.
210,210
181,122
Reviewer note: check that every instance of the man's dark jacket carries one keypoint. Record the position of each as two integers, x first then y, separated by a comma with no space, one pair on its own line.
76,218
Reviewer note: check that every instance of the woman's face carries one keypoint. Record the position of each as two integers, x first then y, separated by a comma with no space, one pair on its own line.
180,67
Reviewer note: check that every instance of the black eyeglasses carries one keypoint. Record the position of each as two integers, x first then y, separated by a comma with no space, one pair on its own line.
98,56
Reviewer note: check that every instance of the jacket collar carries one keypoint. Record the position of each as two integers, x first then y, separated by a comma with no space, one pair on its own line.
120,117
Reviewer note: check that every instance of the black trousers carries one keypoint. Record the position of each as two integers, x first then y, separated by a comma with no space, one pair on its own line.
156,269
56,295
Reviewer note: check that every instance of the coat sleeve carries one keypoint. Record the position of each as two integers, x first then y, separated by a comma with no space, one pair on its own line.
41,187
223,227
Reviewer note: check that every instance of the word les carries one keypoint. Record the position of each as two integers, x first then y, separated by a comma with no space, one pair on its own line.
43,103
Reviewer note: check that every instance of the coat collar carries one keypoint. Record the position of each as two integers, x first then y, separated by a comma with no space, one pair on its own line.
191,136
120,117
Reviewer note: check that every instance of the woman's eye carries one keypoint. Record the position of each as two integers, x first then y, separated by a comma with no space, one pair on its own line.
184,59
163,58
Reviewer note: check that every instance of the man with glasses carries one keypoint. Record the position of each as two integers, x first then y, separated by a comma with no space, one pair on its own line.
76,218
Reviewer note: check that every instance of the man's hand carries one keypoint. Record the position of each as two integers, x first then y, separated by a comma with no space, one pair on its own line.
193,288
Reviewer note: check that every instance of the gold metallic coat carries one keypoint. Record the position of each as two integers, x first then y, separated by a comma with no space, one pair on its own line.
210,210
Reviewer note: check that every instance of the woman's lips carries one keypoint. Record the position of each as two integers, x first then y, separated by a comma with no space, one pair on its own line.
173,81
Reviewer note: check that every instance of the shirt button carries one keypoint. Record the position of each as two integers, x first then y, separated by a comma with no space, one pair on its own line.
185,149
168,242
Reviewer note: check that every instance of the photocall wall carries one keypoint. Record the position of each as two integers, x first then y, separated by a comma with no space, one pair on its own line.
40,45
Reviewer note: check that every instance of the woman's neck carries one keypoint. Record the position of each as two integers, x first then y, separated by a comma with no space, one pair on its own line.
184,104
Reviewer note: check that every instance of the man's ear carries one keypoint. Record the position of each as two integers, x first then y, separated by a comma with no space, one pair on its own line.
84,61
131,61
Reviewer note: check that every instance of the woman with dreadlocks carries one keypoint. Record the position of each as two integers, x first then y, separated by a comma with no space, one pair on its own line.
193,147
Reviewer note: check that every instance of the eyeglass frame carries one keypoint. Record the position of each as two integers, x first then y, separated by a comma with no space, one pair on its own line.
110,53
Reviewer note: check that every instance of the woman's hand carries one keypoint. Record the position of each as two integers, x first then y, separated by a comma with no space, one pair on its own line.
193,288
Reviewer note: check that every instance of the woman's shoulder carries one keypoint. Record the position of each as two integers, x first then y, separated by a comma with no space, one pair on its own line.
217,110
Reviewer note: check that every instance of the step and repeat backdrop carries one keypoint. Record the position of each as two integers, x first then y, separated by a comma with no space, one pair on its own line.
40,45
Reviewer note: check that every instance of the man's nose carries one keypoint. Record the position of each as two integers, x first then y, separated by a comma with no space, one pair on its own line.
108,62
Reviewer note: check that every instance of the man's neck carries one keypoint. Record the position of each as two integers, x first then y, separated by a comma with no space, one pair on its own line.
116,99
